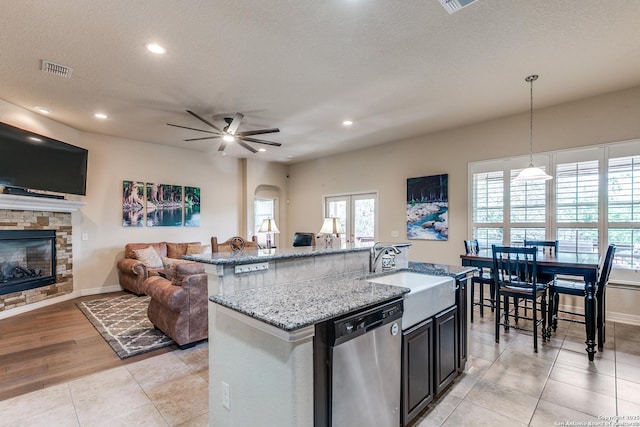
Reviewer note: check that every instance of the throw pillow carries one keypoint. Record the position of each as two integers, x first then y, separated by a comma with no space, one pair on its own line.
194,249
149,257
170,266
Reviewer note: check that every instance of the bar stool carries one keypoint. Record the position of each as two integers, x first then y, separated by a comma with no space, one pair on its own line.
481,278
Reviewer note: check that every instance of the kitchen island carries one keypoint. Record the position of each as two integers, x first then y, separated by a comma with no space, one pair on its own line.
262,323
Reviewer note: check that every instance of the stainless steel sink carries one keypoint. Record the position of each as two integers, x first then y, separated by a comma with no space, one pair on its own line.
429,294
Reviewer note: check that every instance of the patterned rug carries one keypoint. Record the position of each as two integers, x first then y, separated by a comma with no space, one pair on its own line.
123,323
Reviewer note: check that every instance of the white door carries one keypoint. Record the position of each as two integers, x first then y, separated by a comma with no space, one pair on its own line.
357,213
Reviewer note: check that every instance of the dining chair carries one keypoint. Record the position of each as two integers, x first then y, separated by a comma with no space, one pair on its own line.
577,288
515,276
546,248
481,278
233,244
304,239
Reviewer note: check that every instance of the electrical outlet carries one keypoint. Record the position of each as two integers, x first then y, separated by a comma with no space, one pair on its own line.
85,236
226,396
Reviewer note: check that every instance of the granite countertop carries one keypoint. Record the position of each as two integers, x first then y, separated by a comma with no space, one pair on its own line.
296,305
260,255
456,271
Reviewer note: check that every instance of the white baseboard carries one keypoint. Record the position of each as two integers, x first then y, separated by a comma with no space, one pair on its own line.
612,316
629,319
47,302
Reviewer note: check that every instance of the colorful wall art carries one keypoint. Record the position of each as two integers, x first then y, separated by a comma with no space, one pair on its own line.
428,207
192,206
164,205
132,204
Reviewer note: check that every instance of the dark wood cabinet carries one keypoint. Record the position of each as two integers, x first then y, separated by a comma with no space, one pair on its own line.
446,348
417,369
461,303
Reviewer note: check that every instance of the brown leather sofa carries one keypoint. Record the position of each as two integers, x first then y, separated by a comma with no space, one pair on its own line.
179,306
132,272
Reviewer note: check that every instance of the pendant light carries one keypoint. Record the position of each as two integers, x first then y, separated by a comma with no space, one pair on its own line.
531,173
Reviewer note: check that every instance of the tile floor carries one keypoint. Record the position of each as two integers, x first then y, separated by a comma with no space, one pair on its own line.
504,385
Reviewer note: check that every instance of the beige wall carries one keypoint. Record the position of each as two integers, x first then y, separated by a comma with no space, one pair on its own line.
385,168
228,209
112,160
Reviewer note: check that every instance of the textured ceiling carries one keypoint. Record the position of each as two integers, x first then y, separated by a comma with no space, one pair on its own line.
396,68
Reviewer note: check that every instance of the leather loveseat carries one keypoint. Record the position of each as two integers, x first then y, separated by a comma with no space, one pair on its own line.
132,272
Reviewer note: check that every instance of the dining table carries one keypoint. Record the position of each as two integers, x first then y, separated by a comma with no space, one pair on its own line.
584,265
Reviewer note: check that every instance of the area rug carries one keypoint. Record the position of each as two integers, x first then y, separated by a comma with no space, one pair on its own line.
123,323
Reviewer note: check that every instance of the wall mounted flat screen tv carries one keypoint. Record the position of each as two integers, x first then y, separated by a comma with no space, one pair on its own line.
36,162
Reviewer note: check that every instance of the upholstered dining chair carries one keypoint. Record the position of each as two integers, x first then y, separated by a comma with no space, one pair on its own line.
515,276
304,239
577,288
234,244
481,278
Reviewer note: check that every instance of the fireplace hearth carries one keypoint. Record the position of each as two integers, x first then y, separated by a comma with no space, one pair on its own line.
27,259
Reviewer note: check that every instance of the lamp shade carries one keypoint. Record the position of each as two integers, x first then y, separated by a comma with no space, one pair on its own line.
532,173
331,226
268,226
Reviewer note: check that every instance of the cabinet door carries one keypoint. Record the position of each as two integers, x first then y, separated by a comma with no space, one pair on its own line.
446,348
417,369
461,303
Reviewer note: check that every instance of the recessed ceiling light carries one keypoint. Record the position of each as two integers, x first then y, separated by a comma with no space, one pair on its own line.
262,150
228,138
100,116
156,48
43,110
290,156
347,122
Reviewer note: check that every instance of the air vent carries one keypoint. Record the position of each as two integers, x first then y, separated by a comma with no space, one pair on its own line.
57,69
452,6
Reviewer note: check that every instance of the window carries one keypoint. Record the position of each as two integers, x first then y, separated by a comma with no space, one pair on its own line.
593,200
357,213
624,209
577,206
264,208
528,208
488,208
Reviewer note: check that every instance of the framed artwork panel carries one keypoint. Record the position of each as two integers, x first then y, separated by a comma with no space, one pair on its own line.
428,207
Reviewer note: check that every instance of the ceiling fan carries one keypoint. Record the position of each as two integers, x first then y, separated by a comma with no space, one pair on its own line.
230,132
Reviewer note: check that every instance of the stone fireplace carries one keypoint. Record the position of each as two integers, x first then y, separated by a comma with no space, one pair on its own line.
43,219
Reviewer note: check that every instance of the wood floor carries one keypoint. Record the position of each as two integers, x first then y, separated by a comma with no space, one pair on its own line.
52,345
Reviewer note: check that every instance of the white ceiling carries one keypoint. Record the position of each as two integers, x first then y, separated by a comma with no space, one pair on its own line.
396,68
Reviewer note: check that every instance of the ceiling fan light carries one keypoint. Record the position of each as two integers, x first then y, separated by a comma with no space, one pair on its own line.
532,173
229,138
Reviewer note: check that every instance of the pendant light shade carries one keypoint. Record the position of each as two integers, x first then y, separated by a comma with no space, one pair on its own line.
531,173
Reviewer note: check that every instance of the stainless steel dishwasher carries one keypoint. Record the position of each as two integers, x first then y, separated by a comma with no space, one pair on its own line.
365,367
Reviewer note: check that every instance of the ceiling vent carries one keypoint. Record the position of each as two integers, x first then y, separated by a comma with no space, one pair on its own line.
57,69
452,6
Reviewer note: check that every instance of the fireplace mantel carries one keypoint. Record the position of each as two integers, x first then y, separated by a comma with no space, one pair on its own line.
28,203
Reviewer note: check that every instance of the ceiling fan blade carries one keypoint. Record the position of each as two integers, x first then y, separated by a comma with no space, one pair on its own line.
233,127
257,132
247,146
223,145
203,138
204,120
259,141
186,127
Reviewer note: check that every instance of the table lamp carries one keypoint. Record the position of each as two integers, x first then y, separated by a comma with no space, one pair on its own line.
330,227
269,226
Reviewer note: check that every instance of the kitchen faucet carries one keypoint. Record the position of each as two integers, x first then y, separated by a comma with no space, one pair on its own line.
375,253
